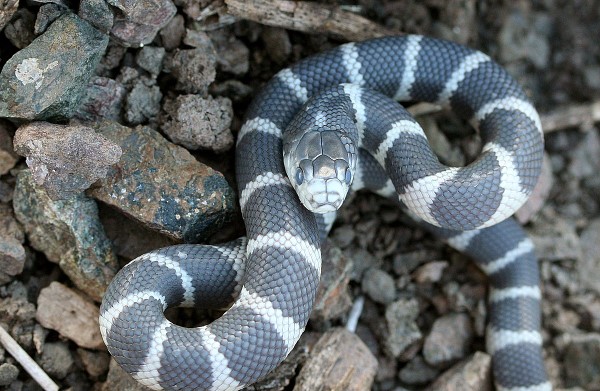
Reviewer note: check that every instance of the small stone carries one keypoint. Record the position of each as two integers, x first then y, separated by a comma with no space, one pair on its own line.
523,37
232,55
555,238
8,373
65,160
585,158
19,30
471,374
278,42
198,123
47,79
7,11
143,102
47,14
194,70
9,226
97,13
118,379
430,272
56,359
12,258
417,372
339,361
103,100
172,34
581,358
73,316
448,340
8,157
379,286
68,233
588,266
138,22
403,336
95,363
150,58
343,236
168,191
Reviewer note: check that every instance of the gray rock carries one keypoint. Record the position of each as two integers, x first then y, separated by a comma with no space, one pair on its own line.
118,379
8,374
143,102
103,100
65,160
362,261
417,372
403,337
555,238
525,36
68,233
163,187
47,14
172,34
581,358
48,78
588,265
448,340
56,359
97,13
7,11
471,374
139,21
150,58
194,70
19,30
585,158
198,123
9,226
278,42
95,363
379,286
12,258
232,54
8,158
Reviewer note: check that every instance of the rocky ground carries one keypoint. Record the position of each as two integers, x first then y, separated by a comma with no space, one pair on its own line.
109,149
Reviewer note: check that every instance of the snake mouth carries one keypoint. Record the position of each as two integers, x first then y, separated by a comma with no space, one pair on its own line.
321,196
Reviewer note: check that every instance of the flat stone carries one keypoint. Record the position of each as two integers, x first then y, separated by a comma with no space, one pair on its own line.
47,79
448,340
199,123
138,22
339,361
162,186
70,314
403,336
471,374
65,160
69,233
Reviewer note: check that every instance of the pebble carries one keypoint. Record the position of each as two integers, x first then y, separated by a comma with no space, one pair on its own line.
47,14
472,374
417,371
98,13
448,340
56,359
194,69
12,259
70,314
8,374
278,42
19,30
7,11
585,157
339,361
142,104
162,186
103,100
48,78
362,260
65,159
150,59
172,34
8,158
138,22
430,272
588,266
232,55
525,36
581,358
95,363
403,335
68,232
199,123
379,286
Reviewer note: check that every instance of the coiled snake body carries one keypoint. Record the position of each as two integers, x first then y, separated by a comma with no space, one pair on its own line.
273,274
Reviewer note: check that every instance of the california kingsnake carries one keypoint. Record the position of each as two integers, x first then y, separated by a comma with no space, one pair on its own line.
276,285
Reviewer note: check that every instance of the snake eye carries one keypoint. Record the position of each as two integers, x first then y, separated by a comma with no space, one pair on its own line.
299,176
348,178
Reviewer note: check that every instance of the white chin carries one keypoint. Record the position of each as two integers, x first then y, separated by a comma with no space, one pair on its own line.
323,208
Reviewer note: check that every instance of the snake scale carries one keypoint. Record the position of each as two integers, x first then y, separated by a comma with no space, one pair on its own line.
273,273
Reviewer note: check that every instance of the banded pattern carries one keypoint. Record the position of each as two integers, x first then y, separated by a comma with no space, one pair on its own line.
282,257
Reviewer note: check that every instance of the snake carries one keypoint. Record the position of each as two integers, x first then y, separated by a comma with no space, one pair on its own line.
344,131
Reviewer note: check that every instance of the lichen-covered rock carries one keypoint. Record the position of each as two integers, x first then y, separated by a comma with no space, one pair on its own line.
65,160
47,79
199,123
68,232
162,186
139,21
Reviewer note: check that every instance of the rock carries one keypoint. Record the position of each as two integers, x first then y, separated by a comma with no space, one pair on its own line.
430,272
379,286
172,34
333,296
198,123
12,258
73,316
7,10
19,30
118,379
581,358
278,42
585,158
588,266
232,55
471,374
138,22
68,233
56,359
65,160
163,187
150,58
143,102
47,79
339,361
194,70
417,372
448,340
97,13
362,261
8,158
103,100
403,335
95,363
8,374
525,36
47,14
555,238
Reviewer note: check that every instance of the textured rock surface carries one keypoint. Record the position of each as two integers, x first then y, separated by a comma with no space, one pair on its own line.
103,99
7,10
8,158
47,79
65,160
163,187
68,233
134,25
448,340
472,374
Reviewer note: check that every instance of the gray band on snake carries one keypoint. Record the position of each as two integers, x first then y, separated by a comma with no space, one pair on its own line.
275,283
